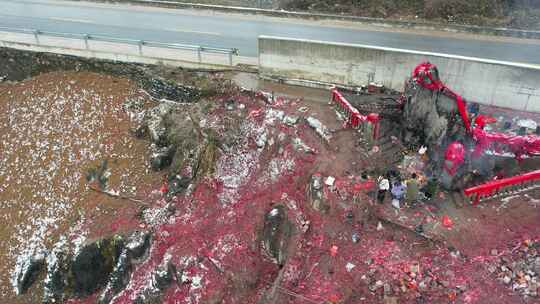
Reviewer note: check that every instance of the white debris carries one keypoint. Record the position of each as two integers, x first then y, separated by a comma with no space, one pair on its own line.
280,166
261,140
23,267
290,120
299,145
320,129
273,115
330,181
274,212
527,123
349,266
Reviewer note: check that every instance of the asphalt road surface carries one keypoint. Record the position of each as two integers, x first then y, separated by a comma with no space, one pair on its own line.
235,31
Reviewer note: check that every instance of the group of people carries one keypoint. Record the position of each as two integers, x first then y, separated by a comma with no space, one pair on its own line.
400,190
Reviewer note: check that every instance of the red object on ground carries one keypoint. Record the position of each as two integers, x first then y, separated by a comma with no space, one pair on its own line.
494,186
447,222
518,145
164,189
455,153
334,298
367,185
427,75
482,120
333,250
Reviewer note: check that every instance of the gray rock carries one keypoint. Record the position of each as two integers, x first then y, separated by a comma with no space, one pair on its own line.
315,193
163,275
155,122
178,184
230,105
276,234
94,263
27,270
56,279
355,237
319,128
119,277
161,157
299,145
290,120
261,140
138,244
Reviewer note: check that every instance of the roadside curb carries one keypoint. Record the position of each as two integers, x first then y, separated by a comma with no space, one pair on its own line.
505,32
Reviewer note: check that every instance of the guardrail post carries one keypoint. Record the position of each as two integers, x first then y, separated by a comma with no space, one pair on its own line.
199,55
36,33
86,37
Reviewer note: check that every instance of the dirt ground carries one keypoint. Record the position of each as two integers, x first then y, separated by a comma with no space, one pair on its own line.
54,128
61,124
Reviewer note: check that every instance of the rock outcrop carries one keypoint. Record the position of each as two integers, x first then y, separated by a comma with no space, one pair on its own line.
276,234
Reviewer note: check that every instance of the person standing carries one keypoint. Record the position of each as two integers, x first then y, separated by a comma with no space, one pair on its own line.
430,190
384,186
398,191
412,190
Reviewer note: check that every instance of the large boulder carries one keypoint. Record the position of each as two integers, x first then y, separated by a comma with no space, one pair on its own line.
276,234
161,157
315,193
163,275
138,244
27,270
155,123
429,116
94,263
177,184
118,279
56,279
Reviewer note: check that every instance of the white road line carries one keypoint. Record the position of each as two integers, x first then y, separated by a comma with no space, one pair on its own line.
194,32
71,20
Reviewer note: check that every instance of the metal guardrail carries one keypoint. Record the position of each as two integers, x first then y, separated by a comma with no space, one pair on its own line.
140,43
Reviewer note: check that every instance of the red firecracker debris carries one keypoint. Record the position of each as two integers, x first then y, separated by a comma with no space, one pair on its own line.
447,222
333,250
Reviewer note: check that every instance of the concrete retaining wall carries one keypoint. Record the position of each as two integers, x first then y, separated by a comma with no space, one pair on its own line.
118,51
504,84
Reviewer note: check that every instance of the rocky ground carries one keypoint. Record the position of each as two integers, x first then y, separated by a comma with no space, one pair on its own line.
112,195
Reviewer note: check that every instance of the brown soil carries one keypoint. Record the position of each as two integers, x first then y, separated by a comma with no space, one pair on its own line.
55,127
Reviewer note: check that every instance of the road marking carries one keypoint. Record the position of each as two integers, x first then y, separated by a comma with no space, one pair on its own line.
71,20
193,32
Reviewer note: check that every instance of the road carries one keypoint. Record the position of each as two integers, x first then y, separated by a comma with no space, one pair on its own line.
235,31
